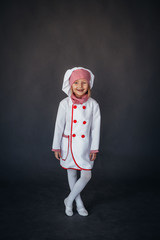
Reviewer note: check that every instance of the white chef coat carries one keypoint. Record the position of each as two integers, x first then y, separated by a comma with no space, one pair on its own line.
77,132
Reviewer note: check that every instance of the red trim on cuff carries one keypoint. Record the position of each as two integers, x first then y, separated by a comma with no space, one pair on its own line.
94,151
56,150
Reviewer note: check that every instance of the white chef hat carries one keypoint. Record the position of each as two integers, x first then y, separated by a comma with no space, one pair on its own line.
66,83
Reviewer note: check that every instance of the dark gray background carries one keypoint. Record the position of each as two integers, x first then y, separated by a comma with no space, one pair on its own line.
119,42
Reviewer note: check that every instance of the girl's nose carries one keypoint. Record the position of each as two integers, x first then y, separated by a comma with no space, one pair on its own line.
80,85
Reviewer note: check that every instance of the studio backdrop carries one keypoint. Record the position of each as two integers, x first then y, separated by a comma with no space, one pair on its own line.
118,41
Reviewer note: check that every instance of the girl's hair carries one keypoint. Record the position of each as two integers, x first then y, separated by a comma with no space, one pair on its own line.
89,91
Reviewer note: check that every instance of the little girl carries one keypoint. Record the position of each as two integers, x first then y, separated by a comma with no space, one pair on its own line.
77,134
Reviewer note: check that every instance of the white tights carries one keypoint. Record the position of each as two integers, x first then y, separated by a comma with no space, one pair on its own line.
76,186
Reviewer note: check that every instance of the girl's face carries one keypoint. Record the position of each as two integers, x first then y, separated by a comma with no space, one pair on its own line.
80,87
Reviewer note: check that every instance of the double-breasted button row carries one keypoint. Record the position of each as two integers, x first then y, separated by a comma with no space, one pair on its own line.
74,135
84,107
75,121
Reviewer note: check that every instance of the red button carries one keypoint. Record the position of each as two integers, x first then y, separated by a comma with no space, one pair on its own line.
84,122
83,136
75,107
73,135
75,121
84,107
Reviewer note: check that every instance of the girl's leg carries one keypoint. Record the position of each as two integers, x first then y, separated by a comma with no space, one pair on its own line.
78,187
72,179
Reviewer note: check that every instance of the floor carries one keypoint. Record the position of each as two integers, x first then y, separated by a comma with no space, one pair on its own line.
34,210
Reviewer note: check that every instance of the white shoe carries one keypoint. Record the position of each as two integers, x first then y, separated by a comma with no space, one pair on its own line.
68,210
82,211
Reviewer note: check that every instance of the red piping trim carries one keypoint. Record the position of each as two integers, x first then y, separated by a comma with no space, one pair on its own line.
64,159
66,136
55,150
94,151
71,142
77,169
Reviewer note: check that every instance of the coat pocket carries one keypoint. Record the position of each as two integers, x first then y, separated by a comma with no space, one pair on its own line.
65,147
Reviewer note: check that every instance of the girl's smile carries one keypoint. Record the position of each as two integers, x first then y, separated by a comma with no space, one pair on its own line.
80,87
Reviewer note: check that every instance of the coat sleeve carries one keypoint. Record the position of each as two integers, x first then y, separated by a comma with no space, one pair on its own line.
59,127
95,128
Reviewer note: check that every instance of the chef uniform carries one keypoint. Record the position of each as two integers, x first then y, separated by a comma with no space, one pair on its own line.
77,128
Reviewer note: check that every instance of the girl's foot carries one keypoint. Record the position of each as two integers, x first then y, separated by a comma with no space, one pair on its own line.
82,211
68,210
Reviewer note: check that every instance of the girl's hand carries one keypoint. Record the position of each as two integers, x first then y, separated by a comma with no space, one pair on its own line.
57,154
92,156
